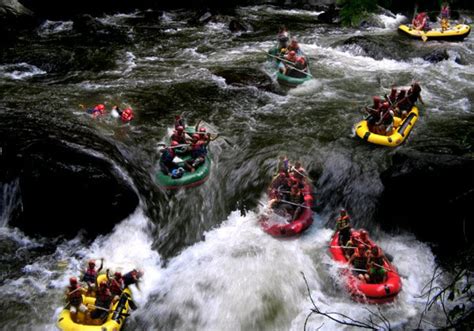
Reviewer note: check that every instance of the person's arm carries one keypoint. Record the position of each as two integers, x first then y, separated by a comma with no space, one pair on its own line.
421,100
101,265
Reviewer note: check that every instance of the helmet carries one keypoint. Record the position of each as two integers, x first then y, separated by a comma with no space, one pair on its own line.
100,107
385,104
203,129
361,246
363,233
177,117
73,280
128,110
343,211
195,136
91,263
292,53
179,128
376,99
301,60
117,274
174,143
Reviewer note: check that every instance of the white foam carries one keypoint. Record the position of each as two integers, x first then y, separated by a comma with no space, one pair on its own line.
54,27
20,71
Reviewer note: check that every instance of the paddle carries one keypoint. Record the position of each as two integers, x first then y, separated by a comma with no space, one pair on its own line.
290,66
177,146
294,204
107,310
345,267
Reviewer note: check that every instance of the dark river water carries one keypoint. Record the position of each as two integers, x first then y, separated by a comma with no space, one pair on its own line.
208,265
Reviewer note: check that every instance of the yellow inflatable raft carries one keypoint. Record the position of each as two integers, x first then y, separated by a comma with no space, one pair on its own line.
114,321
457,32
401,129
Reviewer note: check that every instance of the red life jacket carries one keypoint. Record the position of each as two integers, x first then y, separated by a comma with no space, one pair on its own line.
75,295
90,276
127,115
116,286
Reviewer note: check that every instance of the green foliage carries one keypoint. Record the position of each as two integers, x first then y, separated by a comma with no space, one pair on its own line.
353,11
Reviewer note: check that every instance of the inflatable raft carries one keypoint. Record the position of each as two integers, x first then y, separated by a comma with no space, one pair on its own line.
364,292
291,80
401,129
457,32
114,322
297,226
189,179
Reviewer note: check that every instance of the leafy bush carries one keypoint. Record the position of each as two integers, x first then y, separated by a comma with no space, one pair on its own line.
353,11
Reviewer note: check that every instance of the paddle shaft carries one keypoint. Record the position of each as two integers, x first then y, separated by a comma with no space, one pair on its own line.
290,66
295,204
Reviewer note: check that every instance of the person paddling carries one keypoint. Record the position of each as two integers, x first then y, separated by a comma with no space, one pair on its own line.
90,275
343,225
74,294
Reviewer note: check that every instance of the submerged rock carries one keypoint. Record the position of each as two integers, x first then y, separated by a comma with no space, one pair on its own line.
246,76
436,56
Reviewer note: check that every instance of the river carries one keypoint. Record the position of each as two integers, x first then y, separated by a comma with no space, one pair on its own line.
207,263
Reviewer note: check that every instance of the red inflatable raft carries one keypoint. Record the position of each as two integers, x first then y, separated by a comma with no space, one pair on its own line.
363,292
297,226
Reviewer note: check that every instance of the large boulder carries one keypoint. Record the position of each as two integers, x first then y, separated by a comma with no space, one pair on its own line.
430,194
67,177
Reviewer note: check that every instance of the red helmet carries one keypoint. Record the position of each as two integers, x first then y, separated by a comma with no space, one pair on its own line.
174,143
385,104
301,60
376,99
292,53
128,110
195,136
180,128
361,246
73,280
100,107
118,274
203,129
91,263
177,117
363,233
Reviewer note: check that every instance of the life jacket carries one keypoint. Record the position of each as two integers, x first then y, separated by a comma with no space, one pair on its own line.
116,286
198,149
75,298
127,115
179,138
445,12
103,298
90,276
296,198
378,260
343,222
418,21
128,279
360,260
168,155
179,122
298,173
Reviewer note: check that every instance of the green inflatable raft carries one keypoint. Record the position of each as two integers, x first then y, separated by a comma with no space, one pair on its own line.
189,179
283,79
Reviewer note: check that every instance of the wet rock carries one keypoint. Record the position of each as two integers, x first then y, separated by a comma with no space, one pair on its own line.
430,194
87,24
63,188
245,77
329,16
13,17
375,47
436,56
238,26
